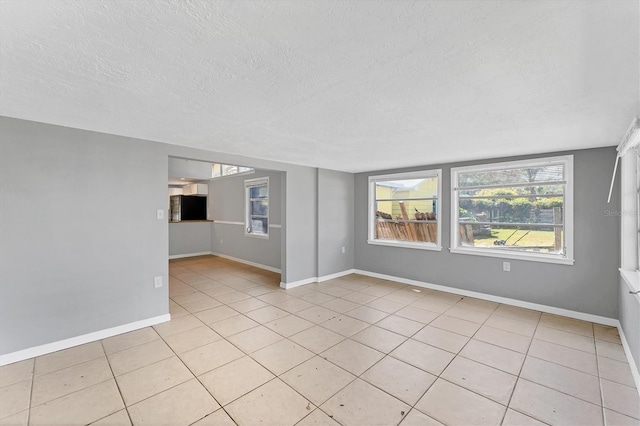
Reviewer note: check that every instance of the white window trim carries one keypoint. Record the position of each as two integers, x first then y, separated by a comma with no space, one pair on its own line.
630,256
249,172
567,259
247,185
422,174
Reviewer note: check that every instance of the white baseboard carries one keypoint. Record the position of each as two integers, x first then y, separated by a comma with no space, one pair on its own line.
247,262
632,362
294,284
80,340
513,302
336,275
180,256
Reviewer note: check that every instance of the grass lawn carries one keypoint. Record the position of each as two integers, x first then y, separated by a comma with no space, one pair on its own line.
533,238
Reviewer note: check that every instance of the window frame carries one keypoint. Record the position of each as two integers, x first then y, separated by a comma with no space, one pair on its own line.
630,218
248,184
568,211
222,171
421,174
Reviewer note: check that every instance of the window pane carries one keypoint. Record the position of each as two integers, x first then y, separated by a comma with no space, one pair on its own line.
259,225
407,210
512,210
407,189
259,208
515,208
531,239
512,176
261,191
417,231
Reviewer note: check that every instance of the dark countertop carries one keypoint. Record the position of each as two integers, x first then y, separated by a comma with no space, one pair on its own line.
190,221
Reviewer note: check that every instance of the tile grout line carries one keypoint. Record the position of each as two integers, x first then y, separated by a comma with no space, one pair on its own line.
194,375
117,385
33,382
595,348
439,376
520,372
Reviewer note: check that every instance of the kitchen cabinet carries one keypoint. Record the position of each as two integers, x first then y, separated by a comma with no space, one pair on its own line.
196,189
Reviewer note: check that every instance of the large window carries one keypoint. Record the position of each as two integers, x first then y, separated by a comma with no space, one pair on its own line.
521,210
404,210
257,207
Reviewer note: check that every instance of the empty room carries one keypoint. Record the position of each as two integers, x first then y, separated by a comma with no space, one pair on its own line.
319,212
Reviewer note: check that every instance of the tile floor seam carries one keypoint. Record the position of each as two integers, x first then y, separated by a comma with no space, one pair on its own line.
524,360
76,390
70,393
434,382
194,377
67,366
131,347
561,365
559,391
33,377
117,387
525,414
115,377
385,391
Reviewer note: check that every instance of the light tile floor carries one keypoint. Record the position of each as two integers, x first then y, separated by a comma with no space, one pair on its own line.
352,351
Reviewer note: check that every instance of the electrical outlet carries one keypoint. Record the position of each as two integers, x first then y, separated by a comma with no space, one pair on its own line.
160,214
344,250
157,282
221,241
506,266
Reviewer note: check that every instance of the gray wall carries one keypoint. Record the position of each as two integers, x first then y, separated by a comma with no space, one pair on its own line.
299,231
630,320
80,243
63,275
226,203
335,221
189,237
590,285
180,167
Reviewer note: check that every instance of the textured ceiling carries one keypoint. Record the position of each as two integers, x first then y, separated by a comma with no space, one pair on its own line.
346,85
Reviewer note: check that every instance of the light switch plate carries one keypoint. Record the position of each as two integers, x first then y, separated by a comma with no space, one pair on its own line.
506,266
157,282
160,214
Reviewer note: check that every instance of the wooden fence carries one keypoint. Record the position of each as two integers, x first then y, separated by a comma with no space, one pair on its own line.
413,230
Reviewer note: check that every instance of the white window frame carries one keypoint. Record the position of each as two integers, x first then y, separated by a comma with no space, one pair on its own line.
566,259
422,174
248,184
630,207
222,169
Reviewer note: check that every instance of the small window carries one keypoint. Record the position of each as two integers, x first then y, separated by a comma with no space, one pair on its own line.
223,170
520,210
404,210
257,207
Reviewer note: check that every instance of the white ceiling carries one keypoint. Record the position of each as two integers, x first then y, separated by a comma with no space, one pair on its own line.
345,85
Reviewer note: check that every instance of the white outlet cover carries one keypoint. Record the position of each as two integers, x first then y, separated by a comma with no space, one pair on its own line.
506,266
160,214
157,282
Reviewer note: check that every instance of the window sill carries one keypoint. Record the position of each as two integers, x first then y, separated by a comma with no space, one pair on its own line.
405,244
262,236
511,255
632,278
